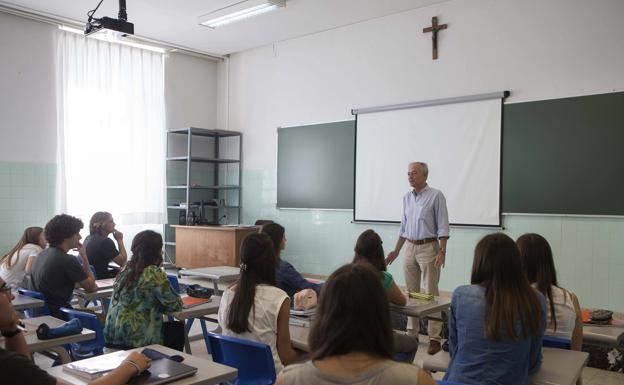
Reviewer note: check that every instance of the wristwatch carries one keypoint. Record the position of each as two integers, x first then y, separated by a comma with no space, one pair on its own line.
11,334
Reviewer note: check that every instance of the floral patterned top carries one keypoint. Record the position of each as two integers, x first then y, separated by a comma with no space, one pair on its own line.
136,317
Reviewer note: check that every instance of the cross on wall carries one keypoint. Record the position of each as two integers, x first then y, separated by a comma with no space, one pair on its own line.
434,29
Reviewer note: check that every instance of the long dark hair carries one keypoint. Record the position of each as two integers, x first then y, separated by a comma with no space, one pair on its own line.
258,266
352,315
368,248
146,251
30,235
276,232
509,297
539,267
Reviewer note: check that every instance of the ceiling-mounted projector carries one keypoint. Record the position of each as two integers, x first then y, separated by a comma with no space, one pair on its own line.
107,25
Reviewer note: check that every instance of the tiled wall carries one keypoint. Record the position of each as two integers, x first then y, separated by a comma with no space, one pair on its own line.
589,255
27,198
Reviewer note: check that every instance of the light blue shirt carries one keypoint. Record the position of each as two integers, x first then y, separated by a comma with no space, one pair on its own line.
477,360
424,215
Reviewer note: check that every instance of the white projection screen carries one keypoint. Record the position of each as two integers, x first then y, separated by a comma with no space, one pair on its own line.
461,143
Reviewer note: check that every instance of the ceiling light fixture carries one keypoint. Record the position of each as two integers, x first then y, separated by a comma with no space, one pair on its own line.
239,11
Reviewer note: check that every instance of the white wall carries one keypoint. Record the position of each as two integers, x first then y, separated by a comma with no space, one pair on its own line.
535,49
27,91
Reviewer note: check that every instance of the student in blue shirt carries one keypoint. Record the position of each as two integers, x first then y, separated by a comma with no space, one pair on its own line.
496,324
288,279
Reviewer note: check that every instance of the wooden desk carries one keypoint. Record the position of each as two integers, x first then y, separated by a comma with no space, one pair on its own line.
214,274
21,302
559,366
203,246
208,372
56,344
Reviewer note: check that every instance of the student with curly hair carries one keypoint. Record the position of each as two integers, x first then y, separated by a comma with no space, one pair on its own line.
17,263
141,296
55,272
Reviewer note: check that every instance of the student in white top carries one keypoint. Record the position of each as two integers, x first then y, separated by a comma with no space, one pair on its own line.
253,307
564,316
17,263
351,338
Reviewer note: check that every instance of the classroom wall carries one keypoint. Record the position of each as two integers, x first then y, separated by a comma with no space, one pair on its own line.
538,50
28,120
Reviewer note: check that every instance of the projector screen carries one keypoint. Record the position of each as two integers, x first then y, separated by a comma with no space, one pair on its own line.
460,142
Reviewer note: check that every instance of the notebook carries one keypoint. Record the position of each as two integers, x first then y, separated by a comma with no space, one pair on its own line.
188,302
95,367
163,371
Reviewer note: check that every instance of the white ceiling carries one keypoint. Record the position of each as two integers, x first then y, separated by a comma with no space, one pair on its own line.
176,21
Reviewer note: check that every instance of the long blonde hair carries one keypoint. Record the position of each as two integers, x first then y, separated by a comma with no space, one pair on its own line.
31,235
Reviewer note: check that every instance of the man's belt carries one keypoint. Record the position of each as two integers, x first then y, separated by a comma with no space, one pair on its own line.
422,241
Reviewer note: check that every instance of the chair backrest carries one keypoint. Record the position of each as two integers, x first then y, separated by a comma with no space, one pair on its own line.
173,280
92,268
253,360
36,311
89,348
556,342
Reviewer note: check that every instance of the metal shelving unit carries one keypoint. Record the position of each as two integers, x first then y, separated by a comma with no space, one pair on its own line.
206,176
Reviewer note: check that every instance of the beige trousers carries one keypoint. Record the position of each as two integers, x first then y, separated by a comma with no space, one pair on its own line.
419,260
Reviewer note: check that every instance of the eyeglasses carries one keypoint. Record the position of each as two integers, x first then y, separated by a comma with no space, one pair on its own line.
412,173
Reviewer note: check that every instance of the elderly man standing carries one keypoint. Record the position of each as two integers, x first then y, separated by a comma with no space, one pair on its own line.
425,227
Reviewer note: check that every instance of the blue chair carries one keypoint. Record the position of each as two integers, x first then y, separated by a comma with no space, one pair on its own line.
173,280
38,311
556,342
253,360
90,348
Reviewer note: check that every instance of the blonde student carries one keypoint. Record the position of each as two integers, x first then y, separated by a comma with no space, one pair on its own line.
17,263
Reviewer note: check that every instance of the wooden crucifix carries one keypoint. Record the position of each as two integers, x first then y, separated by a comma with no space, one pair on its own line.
434,34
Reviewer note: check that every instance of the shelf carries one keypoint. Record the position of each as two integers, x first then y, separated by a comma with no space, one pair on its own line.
206,207
224,187
202,159
204,132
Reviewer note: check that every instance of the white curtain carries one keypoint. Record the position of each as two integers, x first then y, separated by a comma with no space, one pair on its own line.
111,130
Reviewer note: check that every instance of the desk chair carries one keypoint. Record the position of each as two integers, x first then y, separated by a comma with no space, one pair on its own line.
556,342
85,349
253,360
173,280
34,312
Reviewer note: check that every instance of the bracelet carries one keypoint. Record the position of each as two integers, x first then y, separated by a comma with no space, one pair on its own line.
136,366
11,334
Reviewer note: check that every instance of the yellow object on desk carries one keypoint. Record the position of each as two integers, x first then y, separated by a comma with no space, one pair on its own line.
423,296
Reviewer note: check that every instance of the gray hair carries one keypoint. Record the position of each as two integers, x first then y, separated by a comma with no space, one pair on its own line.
422,165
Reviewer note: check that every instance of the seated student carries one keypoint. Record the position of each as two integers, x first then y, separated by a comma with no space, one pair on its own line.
18,262
141,296
288,279
253,308
101,249
351,338
496,324
369,249
56,273
16,360
564,315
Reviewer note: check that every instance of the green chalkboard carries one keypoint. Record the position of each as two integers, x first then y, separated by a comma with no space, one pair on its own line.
315,166
564,156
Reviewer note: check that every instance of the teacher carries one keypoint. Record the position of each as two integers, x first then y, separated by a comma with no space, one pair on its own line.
425,227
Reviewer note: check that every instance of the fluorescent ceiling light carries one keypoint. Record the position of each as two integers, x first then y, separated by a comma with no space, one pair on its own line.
112,37
239,11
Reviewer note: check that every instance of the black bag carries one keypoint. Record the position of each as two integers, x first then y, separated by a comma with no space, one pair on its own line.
174,335
198,291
